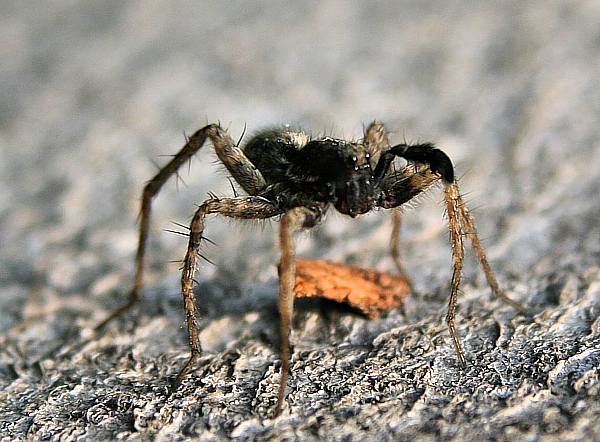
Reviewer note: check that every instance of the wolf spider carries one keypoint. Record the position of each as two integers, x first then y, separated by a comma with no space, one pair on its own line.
293,176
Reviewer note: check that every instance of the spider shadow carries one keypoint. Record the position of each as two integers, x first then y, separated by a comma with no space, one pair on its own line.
245,310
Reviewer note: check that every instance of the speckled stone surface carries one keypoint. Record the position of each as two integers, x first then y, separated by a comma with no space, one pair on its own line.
93,93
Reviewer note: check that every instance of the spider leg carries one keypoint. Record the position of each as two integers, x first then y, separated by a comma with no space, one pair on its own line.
248,207
230,155
452,197
293,221
469,228
462,223
398,188
395,245
376,140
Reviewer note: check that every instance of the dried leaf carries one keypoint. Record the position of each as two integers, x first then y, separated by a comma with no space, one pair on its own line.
367,290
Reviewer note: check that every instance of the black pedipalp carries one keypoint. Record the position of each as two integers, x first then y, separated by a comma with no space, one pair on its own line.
425,153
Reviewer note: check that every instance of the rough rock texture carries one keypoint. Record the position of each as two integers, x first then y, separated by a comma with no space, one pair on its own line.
93,92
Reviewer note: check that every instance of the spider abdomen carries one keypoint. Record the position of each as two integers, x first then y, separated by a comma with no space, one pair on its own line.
273,151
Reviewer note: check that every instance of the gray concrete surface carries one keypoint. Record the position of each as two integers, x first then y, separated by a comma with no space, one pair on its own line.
93,93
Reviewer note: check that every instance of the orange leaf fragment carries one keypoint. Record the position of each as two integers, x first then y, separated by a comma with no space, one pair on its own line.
367,290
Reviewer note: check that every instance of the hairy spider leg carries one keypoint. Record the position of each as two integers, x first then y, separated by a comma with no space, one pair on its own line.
247,207
462,223
294,220
377,141
402,187
230,155
471,232
452,196
439,165
395,246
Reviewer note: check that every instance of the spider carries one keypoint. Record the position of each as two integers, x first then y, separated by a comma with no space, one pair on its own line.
290,175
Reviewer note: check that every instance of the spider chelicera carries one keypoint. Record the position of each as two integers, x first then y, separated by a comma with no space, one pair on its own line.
290,175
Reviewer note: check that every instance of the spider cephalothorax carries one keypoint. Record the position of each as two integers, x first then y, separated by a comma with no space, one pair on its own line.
289,174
